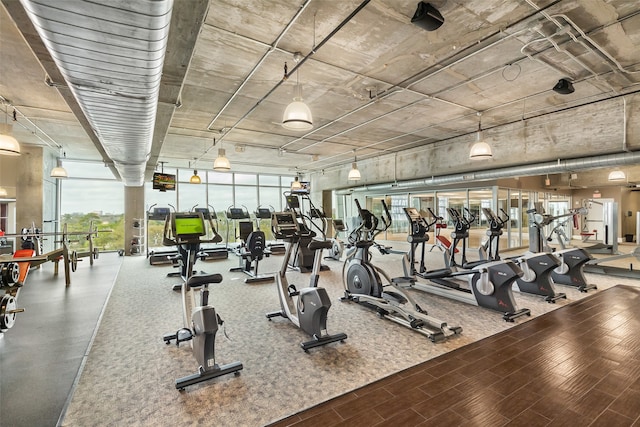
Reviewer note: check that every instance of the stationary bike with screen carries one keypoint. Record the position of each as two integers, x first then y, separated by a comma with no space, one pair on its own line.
200,322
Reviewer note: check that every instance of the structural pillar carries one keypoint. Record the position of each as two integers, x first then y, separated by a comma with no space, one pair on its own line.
134,221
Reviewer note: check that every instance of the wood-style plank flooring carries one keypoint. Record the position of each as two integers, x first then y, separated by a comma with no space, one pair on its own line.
576,366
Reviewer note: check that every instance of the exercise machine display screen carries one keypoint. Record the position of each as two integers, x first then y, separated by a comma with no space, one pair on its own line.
188,225
236,213
204,211
263,213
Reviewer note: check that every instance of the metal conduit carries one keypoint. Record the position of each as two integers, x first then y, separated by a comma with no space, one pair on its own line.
272,47
302,61
569,165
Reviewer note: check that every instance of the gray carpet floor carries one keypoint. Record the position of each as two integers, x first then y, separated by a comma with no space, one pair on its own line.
129,375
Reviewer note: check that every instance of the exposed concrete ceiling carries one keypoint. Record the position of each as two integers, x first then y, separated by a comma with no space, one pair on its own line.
376,83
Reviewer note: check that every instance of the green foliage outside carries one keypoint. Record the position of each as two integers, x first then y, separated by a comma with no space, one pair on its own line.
104,240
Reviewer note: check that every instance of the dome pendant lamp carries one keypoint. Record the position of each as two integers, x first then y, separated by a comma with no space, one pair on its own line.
59,172
297,115
617,175
195,179
480,149
221,164
354,173
9,146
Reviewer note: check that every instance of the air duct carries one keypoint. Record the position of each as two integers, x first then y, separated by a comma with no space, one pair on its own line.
111,56
560,166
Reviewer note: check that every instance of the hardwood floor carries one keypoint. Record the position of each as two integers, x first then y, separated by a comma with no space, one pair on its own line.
576,366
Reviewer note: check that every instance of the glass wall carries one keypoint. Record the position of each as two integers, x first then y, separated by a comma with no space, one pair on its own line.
85,198
91,195
507,202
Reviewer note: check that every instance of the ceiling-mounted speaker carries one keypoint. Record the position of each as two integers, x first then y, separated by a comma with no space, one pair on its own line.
427,17
564,87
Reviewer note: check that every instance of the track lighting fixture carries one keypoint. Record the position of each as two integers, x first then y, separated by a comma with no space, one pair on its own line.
480,149
354,173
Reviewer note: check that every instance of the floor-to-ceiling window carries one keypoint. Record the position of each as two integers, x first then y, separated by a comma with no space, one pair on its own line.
91,195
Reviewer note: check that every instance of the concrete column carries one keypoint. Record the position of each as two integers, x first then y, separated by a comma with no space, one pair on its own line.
134,214
29,184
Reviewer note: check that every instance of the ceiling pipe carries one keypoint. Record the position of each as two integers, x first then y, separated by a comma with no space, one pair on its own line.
559,166
272,47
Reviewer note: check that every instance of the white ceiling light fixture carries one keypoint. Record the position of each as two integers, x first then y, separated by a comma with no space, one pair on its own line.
354,173
3,192
480,149
9,146
617,175
296,184
59,172
221,164
297,116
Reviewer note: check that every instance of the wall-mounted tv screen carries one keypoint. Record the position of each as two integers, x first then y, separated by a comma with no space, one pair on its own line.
164,181
305,187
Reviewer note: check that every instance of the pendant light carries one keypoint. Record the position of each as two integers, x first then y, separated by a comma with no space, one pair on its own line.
480,149
221,164
59,172
195,179
296,185
9,146
297,115
354,173
617,175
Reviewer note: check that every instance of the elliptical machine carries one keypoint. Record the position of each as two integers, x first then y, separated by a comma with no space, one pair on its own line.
200,322
536,267
572,260
337,247
489,282
309,310
363,284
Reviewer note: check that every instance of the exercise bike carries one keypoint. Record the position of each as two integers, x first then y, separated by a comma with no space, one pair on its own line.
309,310
201,322
252,249
363,284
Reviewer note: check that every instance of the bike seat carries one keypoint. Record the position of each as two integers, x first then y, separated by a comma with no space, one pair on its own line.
205,279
